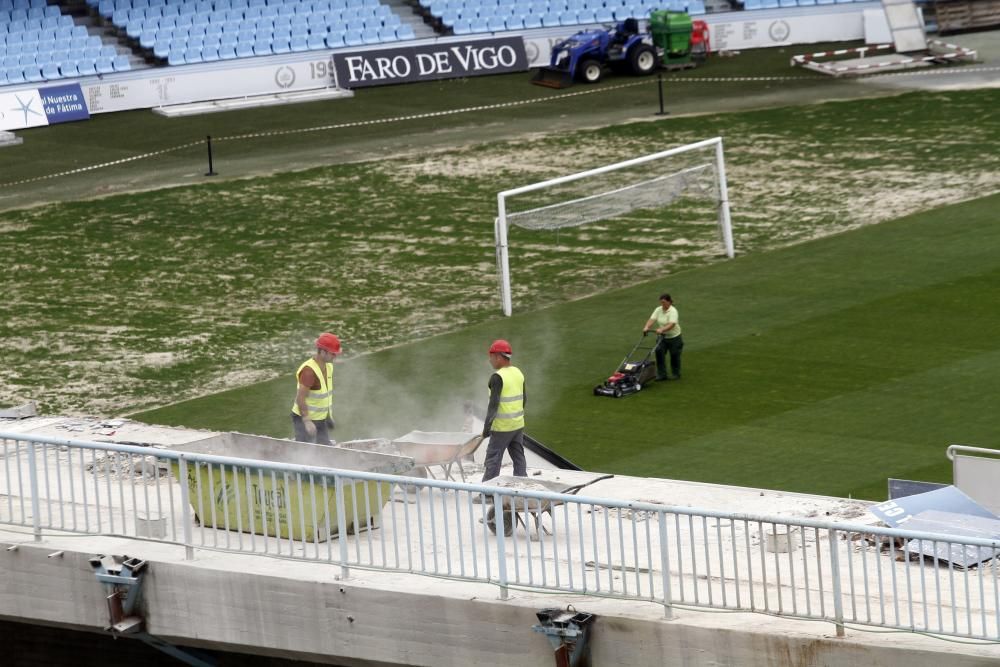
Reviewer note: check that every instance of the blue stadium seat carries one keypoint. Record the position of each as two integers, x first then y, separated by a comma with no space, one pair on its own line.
806,3
68,69
280,46
32,74
210,54
262,48
405,31
496,24
769,4
192,55
105,66
15,75
550,20
787,3
50,71
227,52
121,63
532,21
86,67
244,49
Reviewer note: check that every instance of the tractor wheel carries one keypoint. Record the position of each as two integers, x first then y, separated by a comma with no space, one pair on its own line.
589,71
618,392
642,59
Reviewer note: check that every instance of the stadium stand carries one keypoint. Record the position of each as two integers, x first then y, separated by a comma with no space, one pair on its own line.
194,31
463,17
43,42
40,43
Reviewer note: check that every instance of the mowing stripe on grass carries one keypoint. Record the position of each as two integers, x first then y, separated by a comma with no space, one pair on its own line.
824,367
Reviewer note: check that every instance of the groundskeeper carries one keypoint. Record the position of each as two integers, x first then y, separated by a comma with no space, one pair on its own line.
312,411
665,322
504,424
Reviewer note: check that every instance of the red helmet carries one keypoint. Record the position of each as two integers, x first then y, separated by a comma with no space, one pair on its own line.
501,346
328,342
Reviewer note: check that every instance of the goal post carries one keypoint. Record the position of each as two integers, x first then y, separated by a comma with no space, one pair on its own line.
706,176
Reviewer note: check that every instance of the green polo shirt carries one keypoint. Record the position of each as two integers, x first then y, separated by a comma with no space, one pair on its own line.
662,318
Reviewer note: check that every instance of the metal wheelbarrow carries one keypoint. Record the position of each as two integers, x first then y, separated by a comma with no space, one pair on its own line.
514,508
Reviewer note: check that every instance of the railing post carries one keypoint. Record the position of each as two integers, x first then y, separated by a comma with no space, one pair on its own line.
186,518
501,523
36,510
341,526
838,603
668,608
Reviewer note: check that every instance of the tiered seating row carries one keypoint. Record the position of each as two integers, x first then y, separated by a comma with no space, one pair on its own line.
478,16
37,43
194,31
776,4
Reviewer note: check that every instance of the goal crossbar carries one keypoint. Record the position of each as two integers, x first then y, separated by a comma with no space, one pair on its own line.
501,222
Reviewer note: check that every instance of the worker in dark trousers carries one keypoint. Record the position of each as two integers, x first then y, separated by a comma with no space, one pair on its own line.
504,424
312,410
665,321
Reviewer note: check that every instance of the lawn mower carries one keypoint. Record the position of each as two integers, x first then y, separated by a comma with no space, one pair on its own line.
632,374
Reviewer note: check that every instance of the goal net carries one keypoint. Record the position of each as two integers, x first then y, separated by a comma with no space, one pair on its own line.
650,184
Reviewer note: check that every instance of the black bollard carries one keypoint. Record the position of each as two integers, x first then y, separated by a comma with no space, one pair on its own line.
659,87
208,142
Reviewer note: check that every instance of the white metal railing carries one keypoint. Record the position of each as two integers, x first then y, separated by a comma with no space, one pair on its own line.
674,556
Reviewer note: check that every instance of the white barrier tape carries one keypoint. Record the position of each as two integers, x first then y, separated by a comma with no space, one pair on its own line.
101,165
450,112
338,126
431,114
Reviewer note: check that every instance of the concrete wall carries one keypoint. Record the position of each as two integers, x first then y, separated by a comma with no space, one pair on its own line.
293,610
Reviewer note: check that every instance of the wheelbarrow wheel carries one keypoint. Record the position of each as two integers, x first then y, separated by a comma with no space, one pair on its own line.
508,521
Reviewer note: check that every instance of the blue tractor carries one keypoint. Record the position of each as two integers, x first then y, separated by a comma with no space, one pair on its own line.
583,56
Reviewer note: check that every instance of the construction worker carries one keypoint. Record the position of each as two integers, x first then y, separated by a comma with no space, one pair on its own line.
665,321
312,416
504,424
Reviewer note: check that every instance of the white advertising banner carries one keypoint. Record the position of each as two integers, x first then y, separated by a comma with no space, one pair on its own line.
751,33
179,85
21,110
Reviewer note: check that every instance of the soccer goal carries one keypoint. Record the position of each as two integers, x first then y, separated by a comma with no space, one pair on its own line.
649,183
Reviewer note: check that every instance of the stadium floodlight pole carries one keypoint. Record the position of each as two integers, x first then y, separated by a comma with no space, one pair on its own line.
500,224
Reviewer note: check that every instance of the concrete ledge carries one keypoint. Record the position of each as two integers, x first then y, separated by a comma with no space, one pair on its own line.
295,610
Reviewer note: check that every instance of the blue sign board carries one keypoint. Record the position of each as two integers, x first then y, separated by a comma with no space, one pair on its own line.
63,104
899,511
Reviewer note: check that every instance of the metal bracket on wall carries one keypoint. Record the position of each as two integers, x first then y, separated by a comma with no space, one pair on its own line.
122,578
569,632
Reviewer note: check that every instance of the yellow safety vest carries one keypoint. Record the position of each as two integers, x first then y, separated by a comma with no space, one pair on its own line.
319,401
510,413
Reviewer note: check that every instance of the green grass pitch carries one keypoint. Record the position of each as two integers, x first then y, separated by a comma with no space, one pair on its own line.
831,354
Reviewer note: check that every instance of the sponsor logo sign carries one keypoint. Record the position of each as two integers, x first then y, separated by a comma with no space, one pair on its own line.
63,104
436,61
46,106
